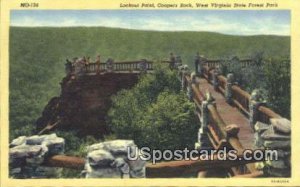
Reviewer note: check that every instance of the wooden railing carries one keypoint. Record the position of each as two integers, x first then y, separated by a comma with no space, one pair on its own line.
265,114
170,169
240,97
119,66
212,63
217,133
217,125
94,67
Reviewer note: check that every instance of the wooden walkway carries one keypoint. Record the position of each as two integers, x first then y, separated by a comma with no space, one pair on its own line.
230,114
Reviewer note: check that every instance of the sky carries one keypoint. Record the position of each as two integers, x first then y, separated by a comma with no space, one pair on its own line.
233,22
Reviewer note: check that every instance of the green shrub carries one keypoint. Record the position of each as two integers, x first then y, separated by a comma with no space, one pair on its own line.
154,113
169,123
278,84
74,146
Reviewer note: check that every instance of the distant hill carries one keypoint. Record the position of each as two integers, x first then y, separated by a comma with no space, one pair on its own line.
37,57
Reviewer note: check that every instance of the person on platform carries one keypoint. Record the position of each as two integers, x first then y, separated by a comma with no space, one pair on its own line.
197,62
87,62
68,67
109,65
79,66
172,61
178,61
98,64
83,60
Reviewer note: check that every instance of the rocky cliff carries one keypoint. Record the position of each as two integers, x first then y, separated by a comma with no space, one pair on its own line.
84,102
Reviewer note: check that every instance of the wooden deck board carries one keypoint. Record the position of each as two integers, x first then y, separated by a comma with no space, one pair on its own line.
230,115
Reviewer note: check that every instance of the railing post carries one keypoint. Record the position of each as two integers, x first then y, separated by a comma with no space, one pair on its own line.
197,63
193,77
183,72
183,82
204,117
190,92
203,141
254,103
228,88
201,64
215,79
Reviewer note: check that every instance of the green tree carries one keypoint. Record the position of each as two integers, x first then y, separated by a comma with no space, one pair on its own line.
169,123
278,84
154,113
272,76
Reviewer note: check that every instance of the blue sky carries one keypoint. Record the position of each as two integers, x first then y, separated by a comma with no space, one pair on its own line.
236,22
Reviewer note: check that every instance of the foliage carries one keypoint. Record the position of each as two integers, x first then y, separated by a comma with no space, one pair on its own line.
170,123
75,146
271,76
249,77
278,82
155,113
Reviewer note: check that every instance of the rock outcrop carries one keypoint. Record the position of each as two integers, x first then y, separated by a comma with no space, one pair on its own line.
84,102
110,160
275,137
27,154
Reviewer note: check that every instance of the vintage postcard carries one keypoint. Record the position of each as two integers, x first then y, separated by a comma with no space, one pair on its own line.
150,93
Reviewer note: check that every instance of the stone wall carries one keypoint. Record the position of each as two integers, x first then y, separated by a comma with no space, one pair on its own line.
275,136
109,160
27,154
